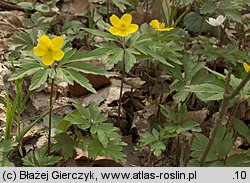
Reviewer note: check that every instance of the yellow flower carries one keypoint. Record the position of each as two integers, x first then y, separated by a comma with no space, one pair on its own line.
122,27
160,26
246,67
49,50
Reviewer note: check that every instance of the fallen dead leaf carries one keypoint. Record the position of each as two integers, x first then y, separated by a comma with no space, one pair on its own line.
76,7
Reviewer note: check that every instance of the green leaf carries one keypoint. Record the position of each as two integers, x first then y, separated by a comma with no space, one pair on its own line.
94,148
39,78
79,78
153,54
76,119
116,57
182,112
71,25
41,159
83,111
66,76
43,8
85,68
168,112
55,120
105,35
207,91
26,5
129,59
242,128
238,160
225,146
68,55
121,4
25,70
196,23
157,148
156,134
65,145
198,147
208,7
114,150
102,137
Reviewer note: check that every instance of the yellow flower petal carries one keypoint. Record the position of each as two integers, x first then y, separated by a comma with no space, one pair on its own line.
132,28
155,24
115,21
57,43
246,67
123,33
48,59
44,42
114,31
58,54
38,51
126,19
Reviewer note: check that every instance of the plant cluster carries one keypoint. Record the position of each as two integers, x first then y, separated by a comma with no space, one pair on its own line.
201,45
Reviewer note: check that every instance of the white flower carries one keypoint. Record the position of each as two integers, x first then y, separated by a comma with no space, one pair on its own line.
216,22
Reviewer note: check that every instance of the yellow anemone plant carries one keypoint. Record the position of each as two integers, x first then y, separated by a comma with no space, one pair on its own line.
246,67
49,50
122,27
159,26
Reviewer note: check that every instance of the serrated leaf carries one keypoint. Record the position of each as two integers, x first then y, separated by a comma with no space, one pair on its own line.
114,150
242,128
86,68
80,79
41,159
193,22
153,54
182,112
39,78
226,145
198,147
65,145
129,59
78,120
238,160
102,137
71,25
208,7
168,112
94,148
82,110
25,70
67,55
105,35
116,57
157,148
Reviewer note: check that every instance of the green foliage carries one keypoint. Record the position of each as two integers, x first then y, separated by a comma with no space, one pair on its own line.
65,145
219,150
5,149
169,130
38,21
242,129
105,139
40,159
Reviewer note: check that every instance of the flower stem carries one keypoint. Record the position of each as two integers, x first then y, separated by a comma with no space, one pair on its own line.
120,97
219,36
50,115
122,81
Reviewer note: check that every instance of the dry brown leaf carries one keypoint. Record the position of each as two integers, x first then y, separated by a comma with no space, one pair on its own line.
76,7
